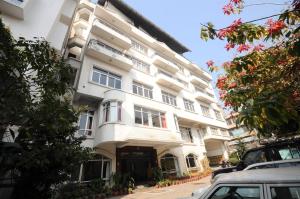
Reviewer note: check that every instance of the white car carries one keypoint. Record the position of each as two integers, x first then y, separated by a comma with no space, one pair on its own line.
279,183
275,164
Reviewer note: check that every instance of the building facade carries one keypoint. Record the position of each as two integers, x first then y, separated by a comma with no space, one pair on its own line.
242,133
148,106
50,20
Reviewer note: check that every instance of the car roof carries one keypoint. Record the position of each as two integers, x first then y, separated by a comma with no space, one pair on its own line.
272,162
278,175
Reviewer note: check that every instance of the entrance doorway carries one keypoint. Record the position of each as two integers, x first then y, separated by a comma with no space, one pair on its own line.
137,161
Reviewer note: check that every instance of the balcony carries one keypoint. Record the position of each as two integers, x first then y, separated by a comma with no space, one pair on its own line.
198,81
216,135
76,41
169,82
111,34
165,64
14,8
111,18
109,55
205,96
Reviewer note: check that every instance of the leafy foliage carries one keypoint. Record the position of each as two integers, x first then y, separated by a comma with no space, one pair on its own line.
36,113
262,83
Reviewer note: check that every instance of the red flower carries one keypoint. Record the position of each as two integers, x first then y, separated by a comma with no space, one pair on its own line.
232,85
227,31
221,82
227,103
242,74
229,46
243,47
236,1
259,47
222,33
228,9
252,68
210,63
275,26
235,24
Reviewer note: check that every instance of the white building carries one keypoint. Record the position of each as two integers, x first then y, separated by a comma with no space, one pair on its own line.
148,105
39,18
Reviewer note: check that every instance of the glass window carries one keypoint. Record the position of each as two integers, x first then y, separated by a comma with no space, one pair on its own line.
218,115
214,131
169,98
186,134
142,90
140,65
106,78
205,111
98,168
188,105
169,164
236,192
112,111
86,123
149,117
285,192
139,47
254,157
289,153
191,161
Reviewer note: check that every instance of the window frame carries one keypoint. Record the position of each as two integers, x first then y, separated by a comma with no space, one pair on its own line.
89,114
144,88
149,112
107,111
218,115
169,97
187,132
269,186
205,112
175,161
209,193
195,157
109,75
139,47
189,105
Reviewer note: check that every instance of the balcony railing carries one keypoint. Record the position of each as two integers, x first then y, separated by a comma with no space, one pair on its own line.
110,26
204,92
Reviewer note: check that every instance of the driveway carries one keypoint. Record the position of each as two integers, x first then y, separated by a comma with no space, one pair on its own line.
175,191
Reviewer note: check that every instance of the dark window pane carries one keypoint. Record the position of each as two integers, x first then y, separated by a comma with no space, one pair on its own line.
140,91
255,157
151,94
103,79
237,192
118,84
82,123
111,82
138,117
285,192
95,77
91,170
155,119
134,89
192,162
145,118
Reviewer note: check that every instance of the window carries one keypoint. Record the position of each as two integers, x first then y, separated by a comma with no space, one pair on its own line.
236,192
142,90
99,167
200,135
224,132
140,65
289,153
112,111
176,122
106,78
86,123
229,121
181,69
186,134
137,46
188,105
191,160
214,131
169,98
218,115
205,111
254,157
149,117
169,165
291,192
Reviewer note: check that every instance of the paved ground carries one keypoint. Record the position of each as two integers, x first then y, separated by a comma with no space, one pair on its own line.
172,192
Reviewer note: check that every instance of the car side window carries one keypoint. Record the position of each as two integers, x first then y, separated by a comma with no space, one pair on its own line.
255,157
289,153
285,192
236,192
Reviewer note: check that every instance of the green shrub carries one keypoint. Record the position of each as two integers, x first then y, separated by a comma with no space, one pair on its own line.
233,161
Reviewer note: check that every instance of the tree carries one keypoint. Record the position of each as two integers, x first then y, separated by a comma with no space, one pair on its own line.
37,114
261,83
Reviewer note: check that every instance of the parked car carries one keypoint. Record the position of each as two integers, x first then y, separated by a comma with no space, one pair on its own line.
279,183
275,164
272,151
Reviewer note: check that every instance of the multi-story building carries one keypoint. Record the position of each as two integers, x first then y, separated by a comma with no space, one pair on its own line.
241,132
43,19
148,106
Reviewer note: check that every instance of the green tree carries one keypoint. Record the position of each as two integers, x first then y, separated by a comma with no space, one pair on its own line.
261,83
37,114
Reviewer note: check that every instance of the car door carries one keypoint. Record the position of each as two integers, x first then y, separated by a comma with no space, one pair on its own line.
283,191
235,191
